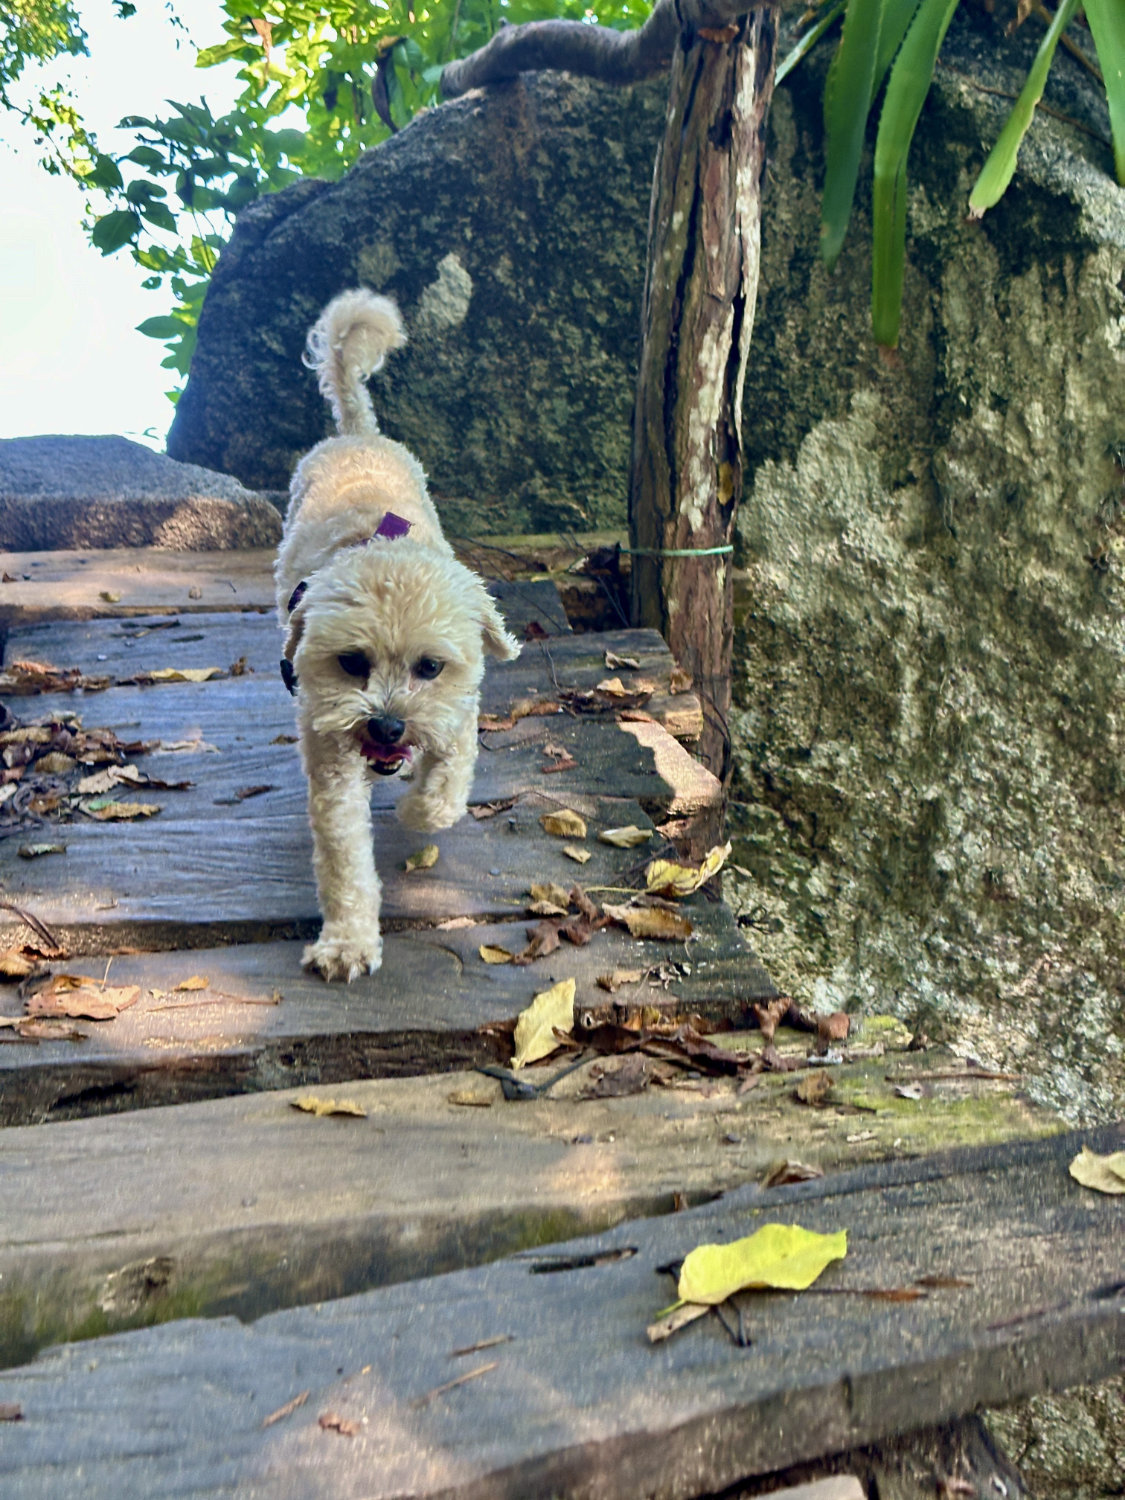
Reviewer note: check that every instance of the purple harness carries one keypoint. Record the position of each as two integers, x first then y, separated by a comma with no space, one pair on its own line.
389,529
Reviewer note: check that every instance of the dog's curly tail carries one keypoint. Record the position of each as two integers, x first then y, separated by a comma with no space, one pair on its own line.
349,342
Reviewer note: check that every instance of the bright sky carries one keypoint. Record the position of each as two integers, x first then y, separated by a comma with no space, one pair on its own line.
70,358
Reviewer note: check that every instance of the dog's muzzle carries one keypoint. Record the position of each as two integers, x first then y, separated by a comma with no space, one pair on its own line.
381,743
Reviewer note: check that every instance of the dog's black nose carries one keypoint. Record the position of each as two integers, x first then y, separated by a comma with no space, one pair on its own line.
385,731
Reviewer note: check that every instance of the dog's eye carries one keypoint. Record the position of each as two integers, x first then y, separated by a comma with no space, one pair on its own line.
355,664
428,667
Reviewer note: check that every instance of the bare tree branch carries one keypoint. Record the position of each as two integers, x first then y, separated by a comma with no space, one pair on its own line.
594,51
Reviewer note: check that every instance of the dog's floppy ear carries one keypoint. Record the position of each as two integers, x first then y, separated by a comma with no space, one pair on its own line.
497,641
293,637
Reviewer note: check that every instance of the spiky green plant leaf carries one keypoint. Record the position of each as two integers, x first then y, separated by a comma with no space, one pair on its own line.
847,103
907,88
997,171
808,41
1107,26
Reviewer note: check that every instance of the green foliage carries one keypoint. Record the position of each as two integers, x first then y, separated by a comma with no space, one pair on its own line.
899,40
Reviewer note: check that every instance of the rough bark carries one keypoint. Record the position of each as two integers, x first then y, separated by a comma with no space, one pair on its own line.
700,293
596,51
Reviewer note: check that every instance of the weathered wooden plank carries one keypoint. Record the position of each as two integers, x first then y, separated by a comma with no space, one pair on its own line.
574,1398
74,585
127,646
138,1218
121,649
430,1008
185,882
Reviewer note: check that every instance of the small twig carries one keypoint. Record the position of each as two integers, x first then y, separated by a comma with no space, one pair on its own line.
284,1411
31,920
944,1075
499,1338
440,1390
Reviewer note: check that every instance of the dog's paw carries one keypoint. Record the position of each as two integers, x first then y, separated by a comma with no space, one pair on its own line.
427,811
343,958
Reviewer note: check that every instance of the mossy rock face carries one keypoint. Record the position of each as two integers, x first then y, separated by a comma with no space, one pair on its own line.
930,626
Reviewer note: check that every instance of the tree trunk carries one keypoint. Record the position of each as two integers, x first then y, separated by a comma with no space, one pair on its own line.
700,291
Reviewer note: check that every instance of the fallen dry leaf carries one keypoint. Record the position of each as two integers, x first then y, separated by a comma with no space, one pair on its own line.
667,878
332,1422
814,1088
550,893
565,824
181,674
196,982
625,838
1105,1174
632,1076
37,851
777,1255
55,764
549,1011
790,1171
495,955
425,859
619,977
16,964
483,810
310,1104
615,663
651,922
580,856
11,1411
680,682
543,939
80,998
471,1098
835,1027
105,811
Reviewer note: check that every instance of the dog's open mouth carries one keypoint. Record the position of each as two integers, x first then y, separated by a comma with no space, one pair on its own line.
385,760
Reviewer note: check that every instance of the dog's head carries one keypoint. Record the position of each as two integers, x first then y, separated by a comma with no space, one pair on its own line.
388,644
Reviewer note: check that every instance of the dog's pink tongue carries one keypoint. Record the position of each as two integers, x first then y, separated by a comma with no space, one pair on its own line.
386,755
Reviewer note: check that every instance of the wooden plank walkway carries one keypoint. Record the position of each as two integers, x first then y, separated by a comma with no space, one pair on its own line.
153,1169
559,1391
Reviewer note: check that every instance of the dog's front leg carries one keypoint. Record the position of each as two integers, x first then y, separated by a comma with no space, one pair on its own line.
440,792
347,882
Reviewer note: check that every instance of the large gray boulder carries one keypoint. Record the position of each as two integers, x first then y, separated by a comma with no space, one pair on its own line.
510,226
58,492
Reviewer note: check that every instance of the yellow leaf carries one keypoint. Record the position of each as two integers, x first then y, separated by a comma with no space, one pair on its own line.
425,859
535,1028
565,824
107,812
625,838
183,674
109,596
614,686
667,878
651,922
312,1105
495,955
579,856
778,1255
196,982
551,894
1105,1174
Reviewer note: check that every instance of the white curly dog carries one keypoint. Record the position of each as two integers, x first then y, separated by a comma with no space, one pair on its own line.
385,635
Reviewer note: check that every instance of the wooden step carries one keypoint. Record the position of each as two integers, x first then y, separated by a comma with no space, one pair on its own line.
243,1205
534,1376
